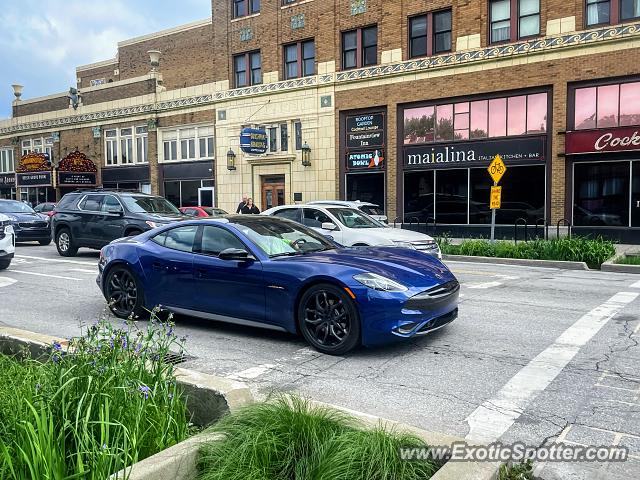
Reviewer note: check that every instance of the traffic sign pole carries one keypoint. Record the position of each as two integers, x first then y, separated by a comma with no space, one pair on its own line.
493,220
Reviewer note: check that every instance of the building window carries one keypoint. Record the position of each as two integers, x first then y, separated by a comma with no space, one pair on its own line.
616,105
7,164
360,48
38,145
242,8
298,134
629,9
247,69
299,59
126,146
188,144
184,193
605,12
497,117
503,29
430,34
598,12
277,137
601,194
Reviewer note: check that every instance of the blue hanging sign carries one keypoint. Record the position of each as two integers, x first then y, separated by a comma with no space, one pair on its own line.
253,141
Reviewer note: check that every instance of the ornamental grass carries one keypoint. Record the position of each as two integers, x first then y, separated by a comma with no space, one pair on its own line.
88,411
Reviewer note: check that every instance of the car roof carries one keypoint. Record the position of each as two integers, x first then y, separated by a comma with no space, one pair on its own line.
349,203
112,191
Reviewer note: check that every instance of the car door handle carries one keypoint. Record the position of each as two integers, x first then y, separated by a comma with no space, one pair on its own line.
201,273
158,267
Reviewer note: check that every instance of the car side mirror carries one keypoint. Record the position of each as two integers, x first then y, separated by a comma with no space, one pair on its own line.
115,211
238,254
329,226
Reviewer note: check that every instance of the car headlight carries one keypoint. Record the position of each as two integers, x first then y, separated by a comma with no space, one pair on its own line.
400,243
378,282
12,218
8,229
152,224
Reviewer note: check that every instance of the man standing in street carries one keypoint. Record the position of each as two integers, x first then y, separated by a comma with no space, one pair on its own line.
243,203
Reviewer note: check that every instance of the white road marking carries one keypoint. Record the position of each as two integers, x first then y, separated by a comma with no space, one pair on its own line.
636,285
505,277
81,270
76,262
6,281
46,275
251,373
483,285
493,418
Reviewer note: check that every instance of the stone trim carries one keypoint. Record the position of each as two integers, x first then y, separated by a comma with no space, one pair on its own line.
168,31
514,50
102,63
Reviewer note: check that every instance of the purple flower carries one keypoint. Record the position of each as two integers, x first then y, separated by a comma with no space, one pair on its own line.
57,346
144,390
138,348
124,343
55,358
104,446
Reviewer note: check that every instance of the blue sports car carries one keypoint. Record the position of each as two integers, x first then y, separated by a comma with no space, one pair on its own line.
274,273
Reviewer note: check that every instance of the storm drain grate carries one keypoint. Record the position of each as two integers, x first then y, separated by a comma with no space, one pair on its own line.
174,358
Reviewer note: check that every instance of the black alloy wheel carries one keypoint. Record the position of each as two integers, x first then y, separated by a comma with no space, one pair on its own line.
123,292
64,243
328,319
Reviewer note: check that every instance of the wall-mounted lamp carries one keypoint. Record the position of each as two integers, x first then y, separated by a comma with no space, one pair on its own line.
306,155
231,160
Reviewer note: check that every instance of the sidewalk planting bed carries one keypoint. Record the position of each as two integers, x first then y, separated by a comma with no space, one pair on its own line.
592,251
628,260
288,438
88,411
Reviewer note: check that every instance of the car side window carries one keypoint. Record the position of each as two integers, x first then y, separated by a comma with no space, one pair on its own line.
289,214
91,203
315,218
179,238
216,239
110,202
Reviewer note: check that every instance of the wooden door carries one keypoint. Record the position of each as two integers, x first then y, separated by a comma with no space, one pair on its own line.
273,193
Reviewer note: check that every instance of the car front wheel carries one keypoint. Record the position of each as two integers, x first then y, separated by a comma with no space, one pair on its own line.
44,243
4,264
123,292
64,243
328,319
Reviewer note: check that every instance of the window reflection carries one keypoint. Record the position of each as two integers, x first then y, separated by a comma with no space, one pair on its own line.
451,196
517,116
537,113
444,125
630,104
585,108
607,106
479,119
498,117
601,194
419,125
418,196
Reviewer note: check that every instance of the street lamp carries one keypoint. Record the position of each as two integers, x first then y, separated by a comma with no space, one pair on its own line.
306,155
231,160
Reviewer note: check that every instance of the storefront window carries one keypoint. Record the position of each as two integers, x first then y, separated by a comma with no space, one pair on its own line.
498,117
418,196
635,195
366,187
601,194
451,196
607,106
184,193
172,192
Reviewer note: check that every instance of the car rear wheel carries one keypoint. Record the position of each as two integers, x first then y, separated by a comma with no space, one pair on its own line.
328,319
123,292
64,243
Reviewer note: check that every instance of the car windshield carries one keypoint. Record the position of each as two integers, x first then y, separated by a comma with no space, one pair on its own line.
352,218
372,210
13,206
140,204
279,237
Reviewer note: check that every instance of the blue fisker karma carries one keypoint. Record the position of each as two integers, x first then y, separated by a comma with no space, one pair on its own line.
274,273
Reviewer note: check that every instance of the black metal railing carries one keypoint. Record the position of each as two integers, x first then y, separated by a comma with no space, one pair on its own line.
566,223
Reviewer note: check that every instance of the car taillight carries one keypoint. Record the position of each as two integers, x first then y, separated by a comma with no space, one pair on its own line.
52,213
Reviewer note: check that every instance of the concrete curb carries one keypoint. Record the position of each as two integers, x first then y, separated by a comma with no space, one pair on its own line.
518,261
609,266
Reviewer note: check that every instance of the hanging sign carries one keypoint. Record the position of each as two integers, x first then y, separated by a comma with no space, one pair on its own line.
253,141
76,169
367,160
34,170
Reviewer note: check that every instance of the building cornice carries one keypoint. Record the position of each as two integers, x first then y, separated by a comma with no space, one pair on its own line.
102,63
527,48
164,33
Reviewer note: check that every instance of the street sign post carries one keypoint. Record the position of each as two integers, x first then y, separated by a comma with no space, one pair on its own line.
496,169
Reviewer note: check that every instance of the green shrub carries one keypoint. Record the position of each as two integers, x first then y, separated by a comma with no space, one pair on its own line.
624,260
288,438
518,471
578,249
106,404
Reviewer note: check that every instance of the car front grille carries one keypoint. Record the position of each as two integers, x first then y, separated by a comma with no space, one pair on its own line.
33,224
435,296
438,322
425,246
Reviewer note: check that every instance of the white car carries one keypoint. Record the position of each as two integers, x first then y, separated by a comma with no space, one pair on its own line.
353,228
371,209
7,242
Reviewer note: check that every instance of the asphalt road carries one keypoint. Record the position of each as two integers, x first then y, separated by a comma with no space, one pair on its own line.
537,355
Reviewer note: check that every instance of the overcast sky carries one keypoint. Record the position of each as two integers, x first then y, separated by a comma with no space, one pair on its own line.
43,41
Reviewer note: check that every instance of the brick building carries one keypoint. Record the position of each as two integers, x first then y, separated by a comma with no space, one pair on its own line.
400,102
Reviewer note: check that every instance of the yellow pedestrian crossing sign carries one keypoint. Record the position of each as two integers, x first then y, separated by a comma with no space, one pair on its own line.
497,168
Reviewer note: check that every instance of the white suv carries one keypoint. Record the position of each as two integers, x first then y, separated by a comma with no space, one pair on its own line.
7,242
353,228
371,209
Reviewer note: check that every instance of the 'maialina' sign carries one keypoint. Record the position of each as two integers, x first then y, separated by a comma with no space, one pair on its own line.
622,139
253,141
460,154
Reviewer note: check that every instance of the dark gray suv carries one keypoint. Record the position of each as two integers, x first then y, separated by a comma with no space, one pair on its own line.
94,218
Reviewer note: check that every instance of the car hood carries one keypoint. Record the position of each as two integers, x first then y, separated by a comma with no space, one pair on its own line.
27,217
409,267
167,218
395,234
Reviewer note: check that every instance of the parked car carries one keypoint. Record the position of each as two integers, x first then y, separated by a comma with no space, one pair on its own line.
94,218
7,242
353,228
275,273
203,212
28,226
46,208
374,211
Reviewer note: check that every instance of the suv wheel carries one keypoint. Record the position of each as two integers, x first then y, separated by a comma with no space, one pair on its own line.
4,264
65,244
